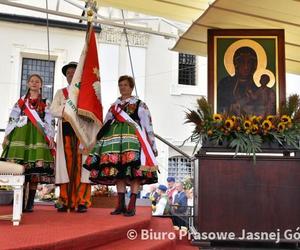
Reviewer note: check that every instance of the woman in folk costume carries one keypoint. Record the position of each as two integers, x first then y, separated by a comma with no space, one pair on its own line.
125,151
73,180
29,138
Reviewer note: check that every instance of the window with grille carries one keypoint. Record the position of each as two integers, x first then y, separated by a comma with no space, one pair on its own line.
44,68
180,168
187,69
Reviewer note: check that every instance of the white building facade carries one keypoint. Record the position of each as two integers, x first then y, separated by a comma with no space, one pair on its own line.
155,69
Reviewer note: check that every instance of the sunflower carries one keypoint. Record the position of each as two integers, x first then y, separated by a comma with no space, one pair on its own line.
217,117
270,118
267,125
247,124
285,119
229,124
281,126
233,118
255,119
254,129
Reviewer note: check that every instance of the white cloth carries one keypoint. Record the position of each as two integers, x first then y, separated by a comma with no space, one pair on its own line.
61,173
161,205
13,119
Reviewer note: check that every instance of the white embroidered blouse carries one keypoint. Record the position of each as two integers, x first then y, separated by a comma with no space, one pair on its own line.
15,115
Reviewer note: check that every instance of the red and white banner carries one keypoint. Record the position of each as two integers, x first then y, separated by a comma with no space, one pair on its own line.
83,108
89,98
147,156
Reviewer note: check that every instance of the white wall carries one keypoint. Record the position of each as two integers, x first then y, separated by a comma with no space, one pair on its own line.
168,106
108,62
292,84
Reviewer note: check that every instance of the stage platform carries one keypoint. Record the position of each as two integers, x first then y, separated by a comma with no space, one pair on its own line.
45,228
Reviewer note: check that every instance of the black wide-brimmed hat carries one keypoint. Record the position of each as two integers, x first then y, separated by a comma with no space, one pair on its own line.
69,65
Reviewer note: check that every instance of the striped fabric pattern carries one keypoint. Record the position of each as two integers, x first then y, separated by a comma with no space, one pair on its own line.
120,138
27,146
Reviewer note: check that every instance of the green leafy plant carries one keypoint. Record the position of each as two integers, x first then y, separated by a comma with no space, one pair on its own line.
246,133
187,183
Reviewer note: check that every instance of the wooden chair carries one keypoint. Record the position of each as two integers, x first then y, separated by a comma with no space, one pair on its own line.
12,174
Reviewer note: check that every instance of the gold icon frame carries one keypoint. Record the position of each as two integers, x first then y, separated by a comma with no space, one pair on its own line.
269,47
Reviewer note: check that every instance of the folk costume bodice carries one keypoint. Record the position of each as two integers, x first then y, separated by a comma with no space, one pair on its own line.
139,112
42,109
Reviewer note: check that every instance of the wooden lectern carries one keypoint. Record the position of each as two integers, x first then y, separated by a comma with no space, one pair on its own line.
236,195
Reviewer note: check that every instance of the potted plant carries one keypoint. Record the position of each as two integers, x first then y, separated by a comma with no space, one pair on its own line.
246,133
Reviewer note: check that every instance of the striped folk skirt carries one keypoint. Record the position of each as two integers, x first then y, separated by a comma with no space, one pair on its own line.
28,147
117,156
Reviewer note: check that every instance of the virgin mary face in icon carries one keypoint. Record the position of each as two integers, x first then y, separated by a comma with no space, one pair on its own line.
234,91
245,63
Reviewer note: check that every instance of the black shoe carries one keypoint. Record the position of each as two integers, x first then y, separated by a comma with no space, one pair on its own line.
30,203
62,209
28,210
129,213
82,209
118,211
131,205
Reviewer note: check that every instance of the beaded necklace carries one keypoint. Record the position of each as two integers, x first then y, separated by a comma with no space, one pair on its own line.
37,104
33,103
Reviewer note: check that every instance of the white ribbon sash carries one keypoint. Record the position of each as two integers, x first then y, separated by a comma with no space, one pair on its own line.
147,156
36,121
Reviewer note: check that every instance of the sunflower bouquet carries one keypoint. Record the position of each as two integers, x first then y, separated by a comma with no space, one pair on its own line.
246,133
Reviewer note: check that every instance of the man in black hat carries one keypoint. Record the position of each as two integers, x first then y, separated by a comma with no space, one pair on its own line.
68,70
75,188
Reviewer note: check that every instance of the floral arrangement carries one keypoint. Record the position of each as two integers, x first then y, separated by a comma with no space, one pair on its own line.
102,190
246,133
46,192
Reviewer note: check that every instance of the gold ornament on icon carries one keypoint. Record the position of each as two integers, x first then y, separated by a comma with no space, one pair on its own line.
261,60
